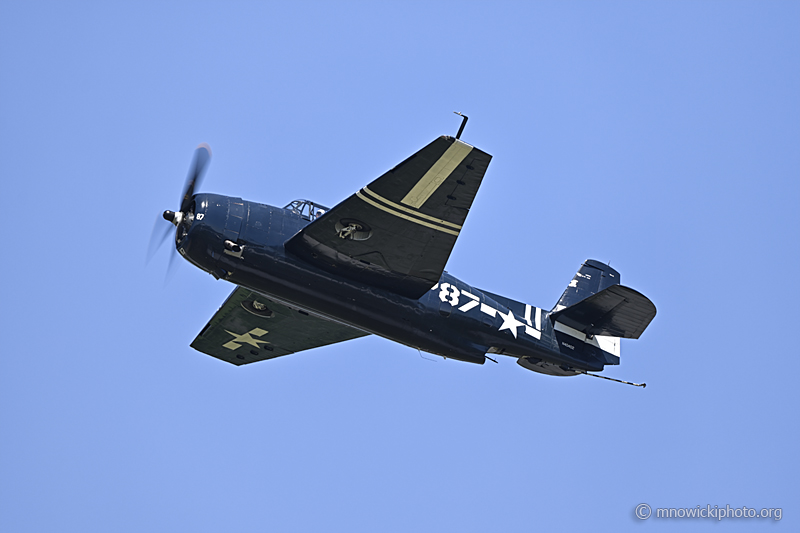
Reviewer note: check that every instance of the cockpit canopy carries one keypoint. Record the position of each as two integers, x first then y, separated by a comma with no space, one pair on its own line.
307,209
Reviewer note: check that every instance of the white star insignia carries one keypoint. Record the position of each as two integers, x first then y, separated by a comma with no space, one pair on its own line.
510,322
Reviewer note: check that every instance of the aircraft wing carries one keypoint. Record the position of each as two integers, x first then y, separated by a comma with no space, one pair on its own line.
250,328
397,232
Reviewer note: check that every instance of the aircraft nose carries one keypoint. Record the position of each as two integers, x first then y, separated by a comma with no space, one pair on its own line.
210,213
183,222
205,229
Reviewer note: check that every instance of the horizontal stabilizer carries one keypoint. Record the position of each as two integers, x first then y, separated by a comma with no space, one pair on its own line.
616,311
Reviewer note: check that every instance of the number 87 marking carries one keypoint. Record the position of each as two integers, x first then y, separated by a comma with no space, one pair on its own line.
470,304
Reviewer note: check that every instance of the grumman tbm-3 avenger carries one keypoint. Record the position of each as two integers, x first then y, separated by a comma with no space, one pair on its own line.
308,276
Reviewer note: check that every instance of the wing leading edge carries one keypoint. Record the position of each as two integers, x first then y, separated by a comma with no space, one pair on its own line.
250,328
397,232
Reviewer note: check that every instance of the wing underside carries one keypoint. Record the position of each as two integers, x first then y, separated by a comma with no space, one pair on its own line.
250,327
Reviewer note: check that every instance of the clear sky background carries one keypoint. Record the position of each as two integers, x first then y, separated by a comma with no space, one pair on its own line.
663,137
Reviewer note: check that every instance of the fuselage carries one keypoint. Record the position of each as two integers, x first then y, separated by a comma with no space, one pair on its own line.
243,242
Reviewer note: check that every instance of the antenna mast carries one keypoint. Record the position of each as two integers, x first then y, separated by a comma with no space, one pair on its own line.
463,123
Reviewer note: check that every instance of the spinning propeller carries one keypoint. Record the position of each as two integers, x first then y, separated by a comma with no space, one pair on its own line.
202,155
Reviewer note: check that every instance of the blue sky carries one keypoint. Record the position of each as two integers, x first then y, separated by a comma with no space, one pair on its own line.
663,137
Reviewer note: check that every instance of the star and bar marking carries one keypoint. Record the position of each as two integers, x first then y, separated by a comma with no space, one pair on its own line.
245,338
449,293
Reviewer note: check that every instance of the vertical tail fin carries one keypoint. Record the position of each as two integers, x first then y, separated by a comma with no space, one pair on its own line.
598,311
592,277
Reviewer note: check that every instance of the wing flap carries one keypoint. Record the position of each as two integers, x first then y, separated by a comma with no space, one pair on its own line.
617,311
250,327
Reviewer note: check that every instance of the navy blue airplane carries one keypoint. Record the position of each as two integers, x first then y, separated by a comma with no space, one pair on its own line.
307,276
